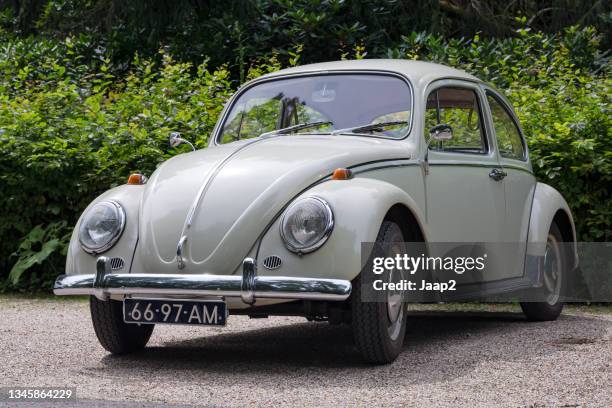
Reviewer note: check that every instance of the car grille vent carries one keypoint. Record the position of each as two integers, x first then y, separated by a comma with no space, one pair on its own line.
116,264
272,262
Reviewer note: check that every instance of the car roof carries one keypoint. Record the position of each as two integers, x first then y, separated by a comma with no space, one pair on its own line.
419,73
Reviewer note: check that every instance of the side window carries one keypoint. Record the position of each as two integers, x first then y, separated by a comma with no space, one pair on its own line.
508,136
458,108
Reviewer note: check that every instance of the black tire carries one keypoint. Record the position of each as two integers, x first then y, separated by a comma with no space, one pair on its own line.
371,322
113,333
546,311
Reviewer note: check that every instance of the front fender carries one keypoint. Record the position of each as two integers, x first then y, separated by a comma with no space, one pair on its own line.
359,206
128,196
547,202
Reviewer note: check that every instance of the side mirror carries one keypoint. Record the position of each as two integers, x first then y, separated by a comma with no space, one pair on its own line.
175,140
440,133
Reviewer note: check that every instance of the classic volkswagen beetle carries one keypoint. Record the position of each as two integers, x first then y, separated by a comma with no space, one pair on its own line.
303,166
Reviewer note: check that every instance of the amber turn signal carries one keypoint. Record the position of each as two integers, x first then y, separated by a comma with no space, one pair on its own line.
137,178
342,174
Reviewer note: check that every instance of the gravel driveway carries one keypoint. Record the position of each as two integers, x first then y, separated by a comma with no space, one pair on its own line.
489,357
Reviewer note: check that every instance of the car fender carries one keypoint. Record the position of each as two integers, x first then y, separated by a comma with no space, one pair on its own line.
128,196
547,202
359,206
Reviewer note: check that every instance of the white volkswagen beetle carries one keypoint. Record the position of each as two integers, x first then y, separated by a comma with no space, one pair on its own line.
303,166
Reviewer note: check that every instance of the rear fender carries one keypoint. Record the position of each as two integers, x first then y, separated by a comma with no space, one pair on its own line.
547,202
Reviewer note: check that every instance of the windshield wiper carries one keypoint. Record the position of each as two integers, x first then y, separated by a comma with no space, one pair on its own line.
366,128
295,128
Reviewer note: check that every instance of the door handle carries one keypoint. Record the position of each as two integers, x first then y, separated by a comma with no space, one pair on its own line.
497,174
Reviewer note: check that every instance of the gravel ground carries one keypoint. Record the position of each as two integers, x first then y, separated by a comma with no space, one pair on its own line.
487,357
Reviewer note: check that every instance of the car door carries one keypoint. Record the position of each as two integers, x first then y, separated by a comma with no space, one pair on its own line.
465,204
519,182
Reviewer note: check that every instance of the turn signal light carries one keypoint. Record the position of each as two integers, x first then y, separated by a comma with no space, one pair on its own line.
342,174
137,178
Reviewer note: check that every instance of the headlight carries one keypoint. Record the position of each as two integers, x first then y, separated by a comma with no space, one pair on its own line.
101,227
306,224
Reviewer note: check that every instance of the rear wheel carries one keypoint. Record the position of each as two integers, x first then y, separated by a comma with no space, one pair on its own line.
113,333
554,274
379,327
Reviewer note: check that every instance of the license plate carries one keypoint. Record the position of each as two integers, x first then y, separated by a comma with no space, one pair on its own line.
155,311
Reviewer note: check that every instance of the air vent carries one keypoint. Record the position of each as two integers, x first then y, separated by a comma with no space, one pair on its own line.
116,264
272,262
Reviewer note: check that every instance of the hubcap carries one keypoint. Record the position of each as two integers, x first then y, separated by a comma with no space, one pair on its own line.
395,311
552,270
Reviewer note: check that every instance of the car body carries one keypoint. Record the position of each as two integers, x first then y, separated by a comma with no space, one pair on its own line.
207,224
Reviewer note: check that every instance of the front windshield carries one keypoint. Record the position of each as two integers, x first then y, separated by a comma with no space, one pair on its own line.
341,103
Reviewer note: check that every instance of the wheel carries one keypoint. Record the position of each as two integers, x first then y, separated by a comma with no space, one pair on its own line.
113,333
379,327
554,274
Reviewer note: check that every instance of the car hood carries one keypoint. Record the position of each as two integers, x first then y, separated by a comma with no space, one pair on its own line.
241,187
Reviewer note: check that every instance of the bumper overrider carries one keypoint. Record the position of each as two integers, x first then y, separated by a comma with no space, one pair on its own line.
247,287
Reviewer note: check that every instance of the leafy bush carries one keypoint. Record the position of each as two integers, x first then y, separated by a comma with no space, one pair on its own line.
69,131
73,124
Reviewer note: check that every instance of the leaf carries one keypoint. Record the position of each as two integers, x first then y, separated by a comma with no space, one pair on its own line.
31,259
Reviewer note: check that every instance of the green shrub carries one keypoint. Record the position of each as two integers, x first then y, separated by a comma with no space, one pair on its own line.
70,131
72,125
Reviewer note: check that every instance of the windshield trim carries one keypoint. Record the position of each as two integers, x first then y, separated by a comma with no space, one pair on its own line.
216,133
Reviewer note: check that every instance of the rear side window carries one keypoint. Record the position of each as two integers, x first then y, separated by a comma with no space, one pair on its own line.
509,139
458,108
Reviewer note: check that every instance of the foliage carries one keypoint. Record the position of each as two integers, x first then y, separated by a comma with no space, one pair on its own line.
36,248
75,121
69,131
237,31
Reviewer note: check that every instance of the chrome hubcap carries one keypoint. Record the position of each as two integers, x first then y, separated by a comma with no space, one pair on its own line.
395,301
552,270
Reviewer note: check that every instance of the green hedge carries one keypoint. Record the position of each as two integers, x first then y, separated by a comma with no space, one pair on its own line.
72,125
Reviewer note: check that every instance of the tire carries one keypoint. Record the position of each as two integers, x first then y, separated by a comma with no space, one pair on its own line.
113,333
378,338
551,309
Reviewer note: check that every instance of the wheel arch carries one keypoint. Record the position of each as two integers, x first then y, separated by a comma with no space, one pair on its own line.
549,206
407,221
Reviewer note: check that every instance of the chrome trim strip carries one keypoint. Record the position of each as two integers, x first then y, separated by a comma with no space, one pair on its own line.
196,203
247,287
478,164
179,252
209,179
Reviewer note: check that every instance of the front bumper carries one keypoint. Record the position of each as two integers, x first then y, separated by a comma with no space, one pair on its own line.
247,287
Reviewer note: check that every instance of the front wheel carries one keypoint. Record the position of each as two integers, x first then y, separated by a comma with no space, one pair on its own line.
379,327
554,274
113,333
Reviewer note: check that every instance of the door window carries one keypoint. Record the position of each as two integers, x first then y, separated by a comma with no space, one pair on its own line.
508,136
458,108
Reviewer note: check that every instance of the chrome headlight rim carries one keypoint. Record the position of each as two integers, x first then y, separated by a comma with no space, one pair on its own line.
324,237
116,235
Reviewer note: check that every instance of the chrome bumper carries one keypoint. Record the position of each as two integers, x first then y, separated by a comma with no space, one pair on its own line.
247,287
